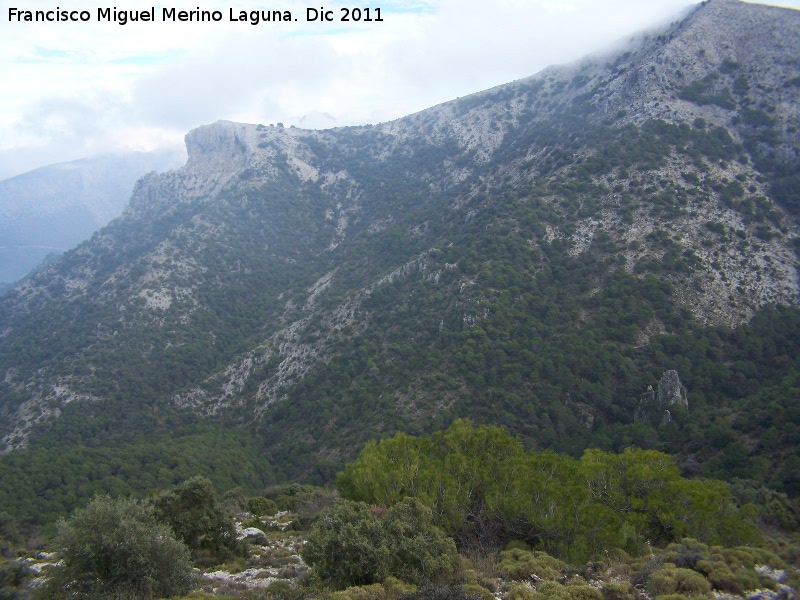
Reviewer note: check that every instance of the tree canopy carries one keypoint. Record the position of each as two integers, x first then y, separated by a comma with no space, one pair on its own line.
117,548
483,487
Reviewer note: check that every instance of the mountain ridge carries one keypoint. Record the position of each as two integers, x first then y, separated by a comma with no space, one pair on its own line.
513,252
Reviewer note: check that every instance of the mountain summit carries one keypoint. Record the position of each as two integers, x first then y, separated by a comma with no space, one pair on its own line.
534,255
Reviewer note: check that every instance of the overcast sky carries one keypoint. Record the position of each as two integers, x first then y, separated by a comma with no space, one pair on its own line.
71,90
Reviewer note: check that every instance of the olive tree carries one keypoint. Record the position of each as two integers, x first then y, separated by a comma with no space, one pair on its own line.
199,520
116,548
355,544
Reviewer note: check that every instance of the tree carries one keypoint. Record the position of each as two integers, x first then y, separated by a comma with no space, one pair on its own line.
118,549
198,519
484,488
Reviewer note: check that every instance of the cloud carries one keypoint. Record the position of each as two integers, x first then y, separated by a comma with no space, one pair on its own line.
81,88
248,76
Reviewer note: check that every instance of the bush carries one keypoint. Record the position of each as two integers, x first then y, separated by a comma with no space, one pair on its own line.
354,544
234,500
519,591
477,591
551,590
661,583
732,570
722,578
622,590
395,588
281,590
521,565
260,506
691,582
118,549
374,591
685,554
13,580
193,512
307,501
584,592
444,592
671,580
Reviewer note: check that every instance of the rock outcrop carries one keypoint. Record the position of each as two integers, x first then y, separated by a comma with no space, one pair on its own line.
671,391
654,403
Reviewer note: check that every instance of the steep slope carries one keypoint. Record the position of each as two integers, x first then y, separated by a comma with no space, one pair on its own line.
535,255
54,208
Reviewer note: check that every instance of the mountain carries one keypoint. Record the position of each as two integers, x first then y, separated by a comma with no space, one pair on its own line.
604,254
54,208
317,120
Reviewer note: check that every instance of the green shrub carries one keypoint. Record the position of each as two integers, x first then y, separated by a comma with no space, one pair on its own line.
374,591
618,564
118,549
259,506
720,576
688,545
661,583
519,591
281,590
13,580
622,590
762,556
731,570
723,579
396,588
355,544
691,582
254,522
733,557
521,565
707,566
583,592
199,520
234,500
685,554
443,592
204,595
470,575
477,591
749,580
551,590
670,580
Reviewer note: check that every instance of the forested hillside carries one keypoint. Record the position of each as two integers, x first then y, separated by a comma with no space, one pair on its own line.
601,256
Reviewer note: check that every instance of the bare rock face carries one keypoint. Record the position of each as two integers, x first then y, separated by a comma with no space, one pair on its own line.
671,391
223,141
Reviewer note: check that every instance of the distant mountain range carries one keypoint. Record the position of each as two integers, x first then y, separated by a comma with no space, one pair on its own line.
54,208
544,255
